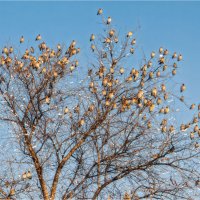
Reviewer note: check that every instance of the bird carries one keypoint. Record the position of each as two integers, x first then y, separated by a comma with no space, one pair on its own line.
47,100
164,67
153,54
165,96
154,92
160,50
38,37
171,128
151,75
133,42
195,120
29,175
163,87
107,40
104,92
116,40
174,55
158,73
181,98
165,52
149,125
121,70
24,175
21,39
93,47
191,135
180,57
81,122
166,110
12,191
100,11
174,72
183,88
91,108
161,60
140,94
159,101
32,50
11,50
196,128
192,106
129,34
109,20
5,51
92,37
151,108
111,32
132,50
66,110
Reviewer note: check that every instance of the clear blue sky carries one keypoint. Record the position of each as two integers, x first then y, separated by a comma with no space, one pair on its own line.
173,25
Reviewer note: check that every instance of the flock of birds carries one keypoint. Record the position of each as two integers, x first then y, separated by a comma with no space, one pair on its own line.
141,100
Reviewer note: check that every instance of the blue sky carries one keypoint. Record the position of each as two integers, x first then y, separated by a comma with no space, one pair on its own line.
173,25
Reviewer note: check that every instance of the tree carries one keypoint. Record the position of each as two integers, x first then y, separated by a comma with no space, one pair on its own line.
112,136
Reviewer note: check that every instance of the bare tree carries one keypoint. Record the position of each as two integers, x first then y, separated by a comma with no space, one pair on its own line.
113,135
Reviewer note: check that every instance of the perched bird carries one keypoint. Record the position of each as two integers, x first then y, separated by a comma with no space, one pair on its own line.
164,67
151,107
66,110
165,96
81,122
12,191
159,101
93,47
133,42
180,57
160,50
121,70
111,32
163,87
171,128
100,11
129,34
192,106
29,175
140,94
161,60
22,39
174,72
116,40
149,125
109,20
32,50
151,75
183,87
127,196
5,50
47,100
154,92
92,37
158,73
24,175
153,54
165,52
191,135
166,110
196,128
181,98
38,37
107,40
91,108
132,50
11,50
174,55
